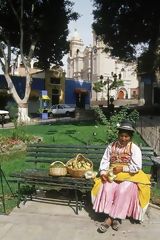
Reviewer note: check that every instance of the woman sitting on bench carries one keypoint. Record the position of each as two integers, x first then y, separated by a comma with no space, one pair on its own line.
123,189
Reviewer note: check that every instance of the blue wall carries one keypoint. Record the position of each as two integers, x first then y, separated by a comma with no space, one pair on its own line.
39,84
70,86
20,82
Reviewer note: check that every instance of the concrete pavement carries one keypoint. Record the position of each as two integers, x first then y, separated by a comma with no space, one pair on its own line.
42,221
36,121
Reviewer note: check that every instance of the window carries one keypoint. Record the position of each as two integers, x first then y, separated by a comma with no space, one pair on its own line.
55,92
54,80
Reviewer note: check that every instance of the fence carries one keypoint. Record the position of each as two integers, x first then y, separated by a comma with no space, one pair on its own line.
149,129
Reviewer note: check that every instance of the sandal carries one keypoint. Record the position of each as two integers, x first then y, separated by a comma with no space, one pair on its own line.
103,228
115,224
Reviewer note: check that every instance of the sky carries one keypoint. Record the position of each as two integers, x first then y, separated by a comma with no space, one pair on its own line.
83,24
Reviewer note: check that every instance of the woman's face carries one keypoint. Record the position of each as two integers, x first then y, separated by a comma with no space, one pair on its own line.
124,138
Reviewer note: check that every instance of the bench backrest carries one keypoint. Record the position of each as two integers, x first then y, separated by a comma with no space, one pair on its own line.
48,153
147,156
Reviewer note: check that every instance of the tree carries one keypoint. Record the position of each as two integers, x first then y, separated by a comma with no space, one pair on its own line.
98,87
111,84
125,25
32,29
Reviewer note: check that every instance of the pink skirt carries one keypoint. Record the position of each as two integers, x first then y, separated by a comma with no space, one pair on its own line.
118,200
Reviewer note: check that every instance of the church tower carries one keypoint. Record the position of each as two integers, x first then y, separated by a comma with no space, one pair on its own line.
75,59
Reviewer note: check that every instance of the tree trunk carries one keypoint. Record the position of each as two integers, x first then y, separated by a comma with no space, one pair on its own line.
23,113
22,103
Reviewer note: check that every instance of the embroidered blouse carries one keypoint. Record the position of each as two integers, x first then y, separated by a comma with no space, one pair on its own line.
129,155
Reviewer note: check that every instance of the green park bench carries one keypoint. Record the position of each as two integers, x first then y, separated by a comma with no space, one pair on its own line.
40,156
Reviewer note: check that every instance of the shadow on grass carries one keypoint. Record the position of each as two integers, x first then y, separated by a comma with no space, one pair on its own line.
71,133
91,139
50,132
78,123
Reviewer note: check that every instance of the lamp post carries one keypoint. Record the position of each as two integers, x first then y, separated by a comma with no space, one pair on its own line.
107,82
113,84
101,78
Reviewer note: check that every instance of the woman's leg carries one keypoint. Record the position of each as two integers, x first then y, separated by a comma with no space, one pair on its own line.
105,225
115,224
125,201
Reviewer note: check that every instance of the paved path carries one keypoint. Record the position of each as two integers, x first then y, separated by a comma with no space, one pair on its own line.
36,121
44,221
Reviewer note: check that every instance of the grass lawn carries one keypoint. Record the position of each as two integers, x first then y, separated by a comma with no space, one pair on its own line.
68,133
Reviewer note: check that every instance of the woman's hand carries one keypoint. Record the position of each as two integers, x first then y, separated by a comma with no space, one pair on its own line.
117,169
104,178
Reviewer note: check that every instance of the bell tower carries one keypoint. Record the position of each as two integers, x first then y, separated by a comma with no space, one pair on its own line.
75,57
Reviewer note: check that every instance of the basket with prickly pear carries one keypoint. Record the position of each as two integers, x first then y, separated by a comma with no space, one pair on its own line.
78,166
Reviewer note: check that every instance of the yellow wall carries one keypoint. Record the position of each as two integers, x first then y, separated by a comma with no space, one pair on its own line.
58,73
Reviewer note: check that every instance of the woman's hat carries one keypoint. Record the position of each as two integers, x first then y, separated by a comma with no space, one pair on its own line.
126,125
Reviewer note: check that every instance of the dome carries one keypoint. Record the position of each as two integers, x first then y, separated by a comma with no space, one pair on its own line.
75,35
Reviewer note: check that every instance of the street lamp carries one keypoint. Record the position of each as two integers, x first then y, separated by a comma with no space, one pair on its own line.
102,83
107,82
114,84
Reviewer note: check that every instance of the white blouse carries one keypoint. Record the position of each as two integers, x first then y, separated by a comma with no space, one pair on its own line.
135,163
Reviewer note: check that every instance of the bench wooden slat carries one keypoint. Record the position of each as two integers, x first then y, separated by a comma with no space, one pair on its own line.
62,155
44,174
149,163
149,153
39,145
65,152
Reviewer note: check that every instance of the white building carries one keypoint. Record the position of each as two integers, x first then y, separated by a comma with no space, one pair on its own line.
89,63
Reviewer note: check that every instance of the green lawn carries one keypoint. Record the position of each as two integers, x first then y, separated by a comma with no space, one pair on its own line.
69,133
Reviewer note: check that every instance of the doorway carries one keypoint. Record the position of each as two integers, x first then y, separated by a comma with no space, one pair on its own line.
80,100
120,95
55,96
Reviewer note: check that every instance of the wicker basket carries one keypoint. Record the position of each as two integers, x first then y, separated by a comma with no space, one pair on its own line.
57,168
78,172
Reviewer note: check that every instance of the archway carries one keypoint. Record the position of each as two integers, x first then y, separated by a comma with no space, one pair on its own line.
120,94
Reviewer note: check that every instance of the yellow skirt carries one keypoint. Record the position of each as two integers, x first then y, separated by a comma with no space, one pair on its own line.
142,180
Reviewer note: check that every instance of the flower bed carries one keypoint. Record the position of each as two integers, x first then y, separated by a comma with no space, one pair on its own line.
9,144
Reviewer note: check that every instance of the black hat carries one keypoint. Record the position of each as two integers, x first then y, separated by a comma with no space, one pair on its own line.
126,125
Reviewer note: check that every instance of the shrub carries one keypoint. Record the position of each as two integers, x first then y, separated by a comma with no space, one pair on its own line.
111,123
13,112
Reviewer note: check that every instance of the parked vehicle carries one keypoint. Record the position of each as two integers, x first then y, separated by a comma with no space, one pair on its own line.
62,109
4,116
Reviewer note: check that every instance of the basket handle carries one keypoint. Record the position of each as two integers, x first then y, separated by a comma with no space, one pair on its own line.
79,154
52,164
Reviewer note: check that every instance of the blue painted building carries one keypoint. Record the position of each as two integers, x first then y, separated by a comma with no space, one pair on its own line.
20,82
77,93
38,84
